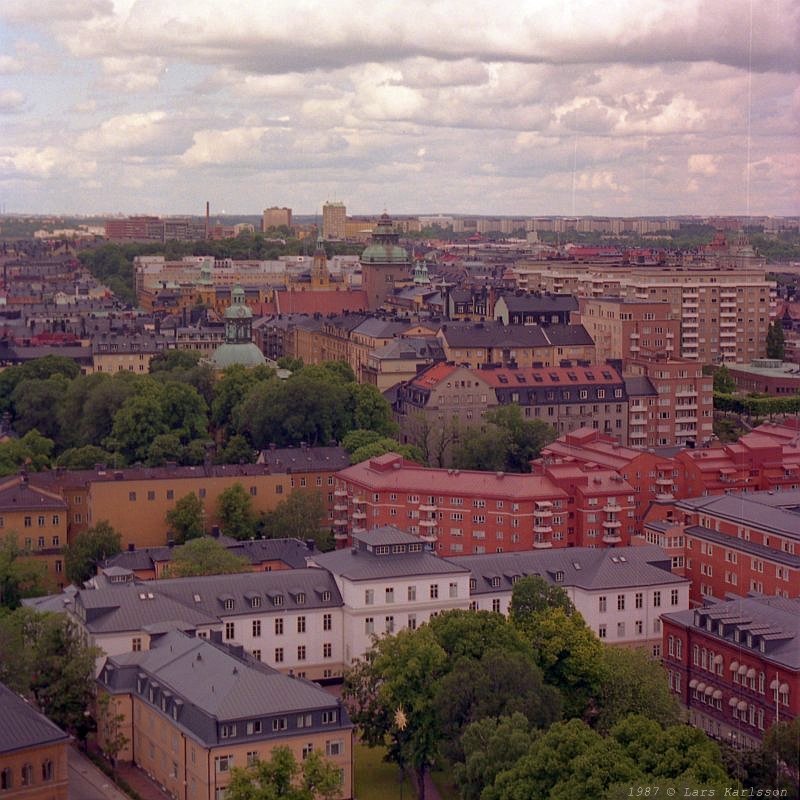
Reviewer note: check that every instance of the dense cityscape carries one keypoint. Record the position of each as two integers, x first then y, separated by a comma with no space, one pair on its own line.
399,400
336,451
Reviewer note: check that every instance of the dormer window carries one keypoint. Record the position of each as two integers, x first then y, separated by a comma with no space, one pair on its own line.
277,600
255,602
473,584
300,598
495,582
229,604
559,577
326,596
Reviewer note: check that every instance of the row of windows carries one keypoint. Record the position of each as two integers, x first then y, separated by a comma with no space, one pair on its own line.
278,626
169,494
411,593
41,521
229,603
638,627
27,775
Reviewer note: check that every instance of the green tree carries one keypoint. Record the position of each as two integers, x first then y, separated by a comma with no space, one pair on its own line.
235,512
187,519
482,450
33,451
282,778
371,410
391,697
301,515
169,360
776,341
569,655
498,684
236,451
110,723
534,595
62,677
204,556
19,576
88,549
87,456
36,404
136,424
473,634
634,683
780,748
356,439
723,382
526,437
386,445
490,747
231,389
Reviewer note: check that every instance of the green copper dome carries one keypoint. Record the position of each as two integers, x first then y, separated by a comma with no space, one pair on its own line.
247,354
385,247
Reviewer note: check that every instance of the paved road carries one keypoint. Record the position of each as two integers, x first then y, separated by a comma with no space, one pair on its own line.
87,782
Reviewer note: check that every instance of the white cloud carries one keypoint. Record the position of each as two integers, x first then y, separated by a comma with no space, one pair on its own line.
11,100
10,65
703,164
216,148
125,132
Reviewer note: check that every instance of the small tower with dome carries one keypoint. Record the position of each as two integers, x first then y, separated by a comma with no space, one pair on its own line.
383,262
239,347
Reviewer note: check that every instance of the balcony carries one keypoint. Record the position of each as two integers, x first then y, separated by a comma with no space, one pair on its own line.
427,523
612,508
359,530
359,515
340,535
634,348
540,543
664,481
429,535
359,501
612,523
427,507
611,538
542,528
340,507
686,393
340,493
665,496
634,335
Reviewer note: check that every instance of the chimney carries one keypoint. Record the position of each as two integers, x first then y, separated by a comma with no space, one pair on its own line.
131,547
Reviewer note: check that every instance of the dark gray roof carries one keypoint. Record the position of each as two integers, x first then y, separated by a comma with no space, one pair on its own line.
292,552
131,607
412,347
372,326
568,335
735,543
360,564
775,620
207,683
540,303
493,334
304,459
23,726
211,591
640,386
770,511
585,567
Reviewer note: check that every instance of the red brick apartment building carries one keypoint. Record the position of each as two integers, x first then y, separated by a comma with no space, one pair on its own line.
652,476
735,665
733,543
464,512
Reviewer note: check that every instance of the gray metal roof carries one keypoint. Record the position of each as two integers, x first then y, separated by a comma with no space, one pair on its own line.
778,617
209,684
543,303
304,459
362,565
770,511
23,726
131,607
207,594
640,386
735,543
584,567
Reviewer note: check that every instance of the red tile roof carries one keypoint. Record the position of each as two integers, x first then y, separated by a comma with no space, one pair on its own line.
424,480
503,378
325,302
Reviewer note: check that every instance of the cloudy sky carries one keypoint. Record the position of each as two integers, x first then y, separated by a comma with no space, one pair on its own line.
530,107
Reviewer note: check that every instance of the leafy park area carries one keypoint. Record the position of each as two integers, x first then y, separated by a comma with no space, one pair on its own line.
536,706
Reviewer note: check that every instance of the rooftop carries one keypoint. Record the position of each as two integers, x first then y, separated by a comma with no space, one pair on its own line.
23,726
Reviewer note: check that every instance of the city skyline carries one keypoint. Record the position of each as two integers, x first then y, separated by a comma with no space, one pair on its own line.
537,108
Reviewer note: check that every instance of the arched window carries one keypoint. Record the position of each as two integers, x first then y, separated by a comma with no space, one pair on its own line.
27,774
47,770
6,779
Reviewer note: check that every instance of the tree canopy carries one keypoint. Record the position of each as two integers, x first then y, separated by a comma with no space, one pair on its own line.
302,515
186,520
88,549
204,556
19,576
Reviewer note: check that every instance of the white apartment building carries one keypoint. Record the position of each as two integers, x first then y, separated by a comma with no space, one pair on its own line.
315,621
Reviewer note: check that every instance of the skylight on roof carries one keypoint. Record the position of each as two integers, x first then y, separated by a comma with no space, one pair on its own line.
520,378
554,377
502,378
590,375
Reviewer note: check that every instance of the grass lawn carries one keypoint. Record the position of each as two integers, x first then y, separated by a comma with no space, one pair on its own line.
378,780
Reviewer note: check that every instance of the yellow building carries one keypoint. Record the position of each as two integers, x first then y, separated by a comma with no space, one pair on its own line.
38,519
193,710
